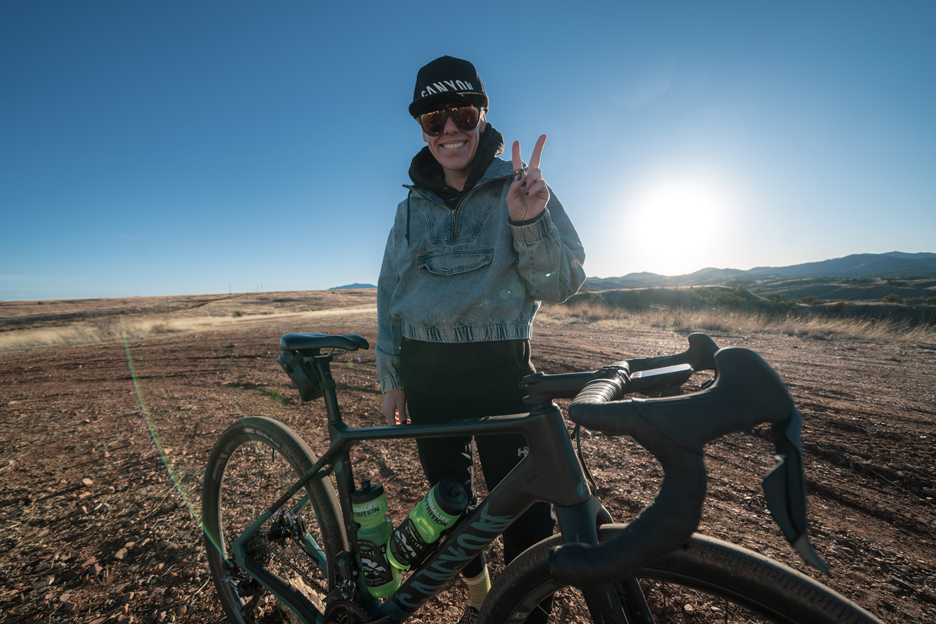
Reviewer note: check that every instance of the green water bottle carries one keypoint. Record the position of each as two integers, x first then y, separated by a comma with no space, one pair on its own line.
416,536
369,507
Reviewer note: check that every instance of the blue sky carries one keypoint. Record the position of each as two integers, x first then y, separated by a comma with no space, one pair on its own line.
173,147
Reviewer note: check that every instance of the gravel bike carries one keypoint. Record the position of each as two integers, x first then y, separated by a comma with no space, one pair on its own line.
281,538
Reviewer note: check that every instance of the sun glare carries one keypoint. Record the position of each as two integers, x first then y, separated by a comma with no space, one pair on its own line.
677,227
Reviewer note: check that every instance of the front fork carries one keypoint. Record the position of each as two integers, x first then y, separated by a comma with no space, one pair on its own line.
608,602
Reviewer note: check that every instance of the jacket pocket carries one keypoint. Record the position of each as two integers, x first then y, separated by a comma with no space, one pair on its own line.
454,262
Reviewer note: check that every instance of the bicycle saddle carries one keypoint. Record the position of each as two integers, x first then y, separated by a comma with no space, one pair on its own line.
305,342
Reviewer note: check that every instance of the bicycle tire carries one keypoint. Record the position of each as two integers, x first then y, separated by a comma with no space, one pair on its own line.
709,581
250,467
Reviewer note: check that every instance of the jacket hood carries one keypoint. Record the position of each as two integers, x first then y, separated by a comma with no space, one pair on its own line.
426,172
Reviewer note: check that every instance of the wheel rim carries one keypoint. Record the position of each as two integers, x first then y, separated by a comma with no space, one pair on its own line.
670,603
255,475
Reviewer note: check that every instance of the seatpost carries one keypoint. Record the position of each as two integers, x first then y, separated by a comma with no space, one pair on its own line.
323,370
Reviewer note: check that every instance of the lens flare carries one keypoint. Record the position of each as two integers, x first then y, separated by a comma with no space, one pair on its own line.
154,434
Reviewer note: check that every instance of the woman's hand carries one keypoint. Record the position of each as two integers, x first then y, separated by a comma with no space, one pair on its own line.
394,407
528,193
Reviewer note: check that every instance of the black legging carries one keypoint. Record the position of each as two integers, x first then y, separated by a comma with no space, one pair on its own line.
452,457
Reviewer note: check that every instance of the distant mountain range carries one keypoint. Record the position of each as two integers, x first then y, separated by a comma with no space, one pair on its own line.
891,264
353,286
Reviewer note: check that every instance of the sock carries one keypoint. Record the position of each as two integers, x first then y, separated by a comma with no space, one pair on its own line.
478,588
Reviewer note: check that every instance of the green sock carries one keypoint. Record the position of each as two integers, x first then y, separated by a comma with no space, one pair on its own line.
478,588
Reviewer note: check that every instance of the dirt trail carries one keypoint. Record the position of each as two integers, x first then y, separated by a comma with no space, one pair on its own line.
102,452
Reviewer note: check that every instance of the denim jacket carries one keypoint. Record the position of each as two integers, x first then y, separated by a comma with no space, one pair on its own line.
469,274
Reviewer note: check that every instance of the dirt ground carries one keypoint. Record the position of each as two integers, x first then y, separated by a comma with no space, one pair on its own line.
103,446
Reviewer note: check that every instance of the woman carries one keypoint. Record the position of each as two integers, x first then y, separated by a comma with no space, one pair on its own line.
475,247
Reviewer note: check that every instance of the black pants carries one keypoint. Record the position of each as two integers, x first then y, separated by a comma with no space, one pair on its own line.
452,457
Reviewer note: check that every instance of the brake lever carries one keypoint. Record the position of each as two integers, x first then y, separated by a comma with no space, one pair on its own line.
785,488
745,393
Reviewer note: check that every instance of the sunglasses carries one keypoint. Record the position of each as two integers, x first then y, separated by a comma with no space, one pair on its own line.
465,117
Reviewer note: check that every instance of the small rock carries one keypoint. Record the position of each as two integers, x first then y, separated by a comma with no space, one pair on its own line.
116,589
68,605
929,491
926,595
895,466
125,598
87,482
121,554
689,609
44,583
96,569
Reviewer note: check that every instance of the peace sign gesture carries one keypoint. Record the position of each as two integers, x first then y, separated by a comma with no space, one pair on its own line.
528,193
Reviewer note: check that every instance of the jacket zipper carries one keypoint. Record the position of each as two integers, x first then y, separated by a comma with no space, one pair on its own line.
458,205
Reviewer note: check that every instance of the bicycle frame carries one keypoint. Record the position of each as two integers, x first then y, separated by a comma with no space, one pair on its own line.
550,472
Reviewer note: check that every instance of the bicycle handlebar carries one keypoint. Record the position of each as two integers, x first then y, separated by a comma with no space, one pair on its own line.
745,392
542,387
700,356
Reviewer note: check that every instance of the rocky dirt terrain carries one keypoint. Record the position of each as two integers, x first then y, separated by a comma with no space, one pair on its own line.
103,446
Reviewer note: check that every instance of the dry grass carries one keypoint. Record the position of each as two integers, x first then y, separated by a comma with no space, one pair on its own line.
114,328
728,321
712,320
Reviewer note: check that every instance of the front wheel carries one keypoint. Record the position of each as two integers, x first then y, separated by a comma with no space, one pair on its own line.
710,581
251,466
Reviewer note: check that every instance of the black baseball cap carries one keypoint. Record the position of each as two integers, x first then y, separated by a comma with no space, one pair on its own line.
447,80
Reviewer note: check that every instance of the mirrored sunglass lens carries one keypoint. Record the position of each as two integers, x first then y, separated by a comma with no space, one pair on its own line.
433,123
466,118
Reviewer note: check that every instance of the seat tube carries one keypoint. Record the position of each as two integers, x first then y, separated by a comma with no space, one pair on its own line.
328,389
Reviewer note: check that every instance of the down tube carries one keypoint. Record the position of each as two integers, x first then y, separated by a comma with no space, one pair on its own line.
474,534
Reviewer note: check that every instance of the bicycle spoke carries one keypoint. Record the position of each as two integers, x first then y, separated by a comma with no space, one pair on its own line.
669,604
672,603
263,475
249,476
